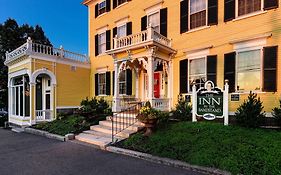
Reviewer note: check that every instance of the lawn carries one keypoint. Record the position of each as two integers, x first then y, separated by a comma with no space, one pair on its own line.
231,148
70,124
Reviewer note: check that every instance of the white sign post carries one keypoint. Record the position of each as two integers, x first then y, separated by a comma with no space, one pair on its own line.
212,102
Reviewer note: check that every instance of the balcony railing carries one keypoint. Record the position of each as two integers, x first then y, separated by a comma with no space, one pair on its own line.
149,35
30,48
44,115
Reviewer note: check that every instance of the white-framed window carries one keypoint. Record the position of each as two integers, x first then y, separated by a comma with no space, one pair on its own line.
102,7
244,7
197,13
102,84
154,20
122,83
119,2
122,30
197,72
102,42
249,70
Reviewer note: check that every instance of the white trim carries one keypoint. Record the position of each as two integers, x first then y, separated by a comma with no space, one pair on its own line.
155,7
43,71
101,69
250,15
23,62
18,73
67,107
249,44
102,29
122,21
200,52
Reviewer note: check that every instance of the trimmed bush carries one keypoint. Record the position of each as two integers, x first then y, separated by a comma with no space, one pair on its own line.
249,114
277,114
183,110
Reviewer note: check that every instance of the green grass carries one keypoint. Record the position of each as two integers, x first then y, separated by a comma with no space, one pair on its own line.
230,148
70,124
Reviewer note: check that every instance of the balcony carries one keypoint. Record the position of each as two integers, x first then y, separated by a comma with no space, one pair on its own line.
30,48
142,39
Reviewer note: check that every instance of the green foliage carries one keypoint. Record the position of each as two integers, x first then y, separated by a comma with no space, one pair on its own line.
11,37
183,110
235,149
276,112
93,107
249,113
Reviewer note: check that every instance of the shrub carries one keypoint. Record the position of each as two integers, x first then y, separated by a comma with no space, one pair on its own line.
277,114
183,110
93,107
249,113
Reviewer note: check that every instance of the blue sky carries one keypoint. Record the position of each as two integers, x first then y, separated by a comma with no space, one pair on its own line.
65,22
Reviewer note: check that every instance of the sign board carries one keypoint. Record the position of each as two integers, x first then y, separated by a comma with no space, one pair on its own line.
210,102
235,97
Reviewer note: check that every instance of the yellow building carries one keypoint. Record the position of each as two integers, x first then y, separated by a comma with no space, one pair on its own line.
44,80
154,50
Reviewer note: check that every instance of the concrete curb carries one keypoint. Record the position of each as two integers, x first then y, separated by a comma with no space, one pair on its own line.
166,161
45,134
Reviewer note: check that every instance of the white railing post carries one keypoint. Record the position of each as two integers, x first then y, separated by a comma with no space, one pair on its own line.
115,42
7,55
225,102
194,103
61,52
149,32
29,45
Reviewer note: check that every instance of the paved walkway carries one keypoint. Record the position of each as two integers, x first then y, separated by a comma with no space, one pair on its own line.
25,154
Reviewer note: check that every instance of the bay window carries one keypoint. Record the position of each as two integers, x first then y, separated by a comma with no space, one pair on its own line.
249,70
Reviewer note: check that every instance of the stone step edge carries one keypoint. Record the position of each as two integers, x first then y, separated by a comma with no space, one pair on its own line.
166,161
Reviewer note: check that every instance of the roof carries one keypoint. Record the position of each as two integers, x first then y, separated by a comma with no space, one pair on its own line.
85,2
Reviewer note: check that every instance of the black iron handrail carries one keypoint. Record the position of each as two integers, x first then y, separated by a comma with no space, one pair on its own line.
124,119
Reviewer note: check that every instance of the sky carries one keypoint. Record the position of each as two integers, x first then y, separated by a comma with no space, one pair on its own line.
65,22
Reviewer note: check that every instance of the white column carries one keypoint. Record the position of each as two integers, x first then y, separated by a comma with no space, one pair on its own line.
170,83
225,102
137,83
32,103
150,74
194,103
116,101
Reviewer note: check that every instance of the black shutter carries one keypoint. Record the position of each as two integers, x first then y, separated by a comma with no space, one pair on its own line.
96,84
212,68
212,12
97,10
114,4
129,28
183,76
143,23
163,21
108,38
96,45
229,10
108,5
113,81
107,78
229,70
184,16
270,4
270,69
129,82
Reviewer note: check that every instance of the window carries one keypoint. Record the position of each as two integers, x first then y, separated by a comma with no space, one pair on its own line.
248,6
102,7
249,70
154,20
122,31
198,13
102,84
101,43
119,2
122,83
197,72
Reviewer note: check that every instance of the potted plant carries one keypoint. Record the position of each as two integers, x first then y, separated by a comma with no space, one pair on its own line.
149,117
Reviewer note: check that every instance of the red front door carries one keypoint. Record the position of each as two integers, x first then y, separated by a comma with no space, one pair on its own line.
156,84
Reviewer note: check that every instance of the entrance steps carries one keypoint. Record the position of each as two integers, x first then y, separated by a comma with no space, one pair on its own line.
101,135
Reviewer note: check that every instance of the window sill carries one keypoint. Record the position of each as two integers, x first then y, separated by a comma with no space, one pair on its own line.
248,92
249,15
101,15
198,29
119,6
102,95
102,54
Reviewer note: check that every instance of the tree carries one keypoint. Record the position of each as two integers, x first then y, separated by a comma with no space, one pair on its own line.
11,37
